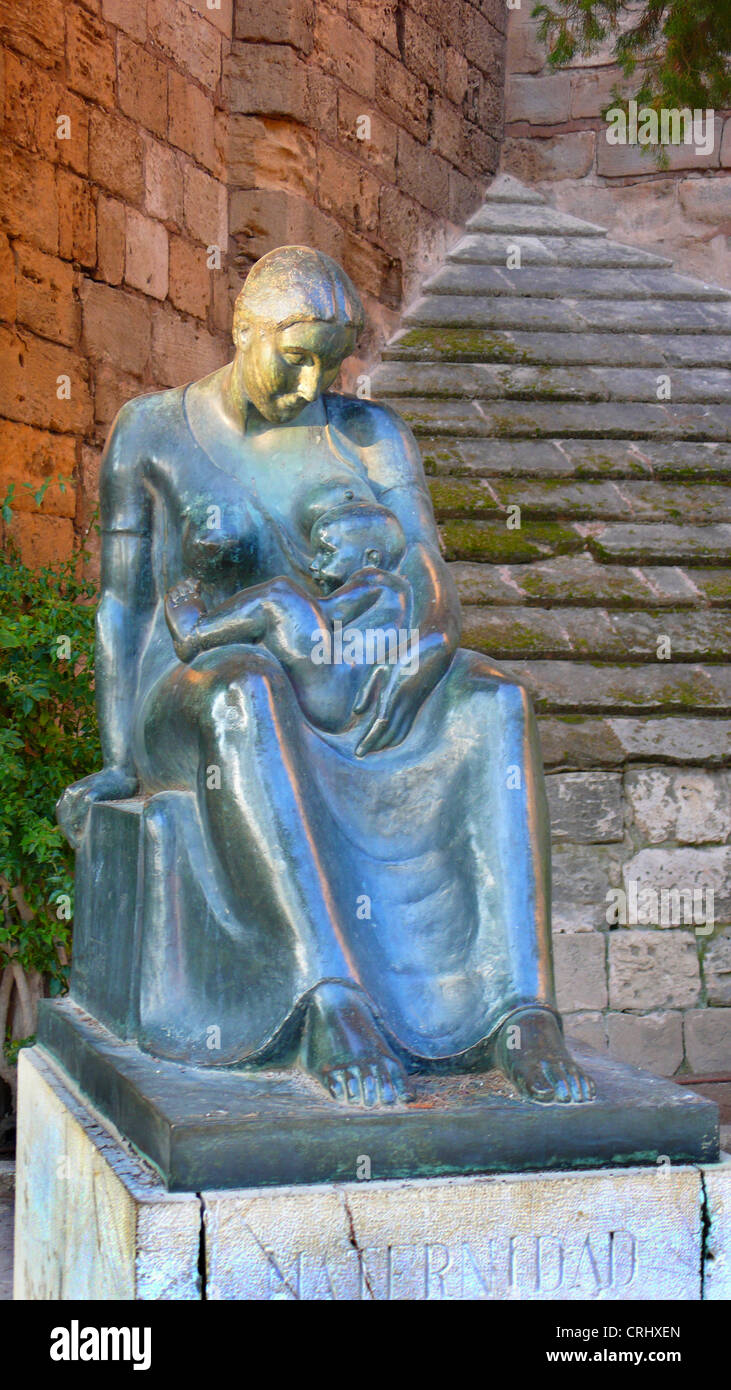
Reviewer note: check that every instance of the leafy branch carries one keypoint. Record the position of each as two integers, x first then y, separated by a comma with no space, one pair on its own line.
678,49
48,739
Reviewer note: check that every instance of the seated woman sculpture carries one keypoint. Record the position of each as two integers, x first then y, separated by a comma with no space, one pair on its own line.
388,883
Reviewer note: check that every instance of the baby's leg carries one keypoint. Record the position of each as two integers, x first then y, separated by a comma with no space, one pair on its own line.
251,615
299,635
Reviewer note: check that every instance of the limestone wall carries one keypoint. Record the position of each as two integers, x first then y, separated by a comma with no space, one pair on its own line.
658,997
555,138
656,994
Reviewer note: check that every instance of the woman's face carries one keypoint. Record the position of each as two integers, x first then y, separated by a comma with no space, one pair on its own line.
283,369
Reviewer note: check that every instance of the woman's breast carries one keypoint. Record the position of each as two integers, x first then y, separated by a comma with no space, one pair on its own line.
246,517
216,539
331,492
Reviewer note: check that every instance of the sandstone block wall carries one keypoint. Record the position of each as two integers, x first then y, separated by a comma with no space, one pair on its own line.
555,138
135,131
655,995
367,128
113,189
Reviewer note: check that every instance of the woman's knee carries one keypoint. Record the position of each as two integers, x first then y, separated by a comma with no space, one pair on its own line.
492,688
244,681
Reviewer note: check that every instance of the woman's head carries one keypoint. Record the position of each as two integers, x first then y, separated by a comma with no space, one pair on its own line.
295,320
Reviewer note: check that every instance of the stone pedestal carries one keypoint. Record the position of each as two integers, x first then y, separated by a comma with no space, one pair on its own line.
91,1220
94,1221
216,1127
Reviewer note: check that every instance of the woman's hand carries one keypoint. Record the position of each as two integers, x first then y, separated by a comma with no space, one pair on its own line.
398,692
72,809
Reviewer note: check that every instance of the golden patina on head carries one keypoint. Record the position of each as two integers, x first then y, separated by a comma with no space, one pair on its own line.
295,320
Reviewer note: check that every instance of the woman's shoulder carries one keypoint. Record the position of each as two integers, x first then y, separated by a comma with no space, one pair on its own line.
143,428
385,442
367,421
151,413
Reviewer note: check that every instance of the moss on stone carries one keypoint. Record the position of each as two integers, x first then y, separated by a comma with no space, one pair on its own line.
461,497
715,584
495,543
459,345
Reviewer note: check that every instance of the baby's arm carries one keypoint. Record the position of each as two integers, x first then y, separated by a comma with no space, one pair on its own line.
364,591
184,608
245,617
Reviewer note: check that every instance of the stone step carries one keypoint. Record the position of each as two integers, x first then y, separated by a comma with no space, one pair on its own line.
579,579
560,349
506,632
518,419
490,381
588,687
574,458
504,216
506,189
576,741
632,543
574,501
689,544
490,249
560,316
568,282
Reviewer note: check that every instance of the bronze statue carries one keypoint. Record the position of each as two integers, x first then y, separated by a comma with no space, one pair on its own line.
348,862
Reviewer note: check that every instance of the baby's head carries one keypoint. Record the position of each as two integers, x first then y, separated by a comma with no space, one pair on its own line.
352,537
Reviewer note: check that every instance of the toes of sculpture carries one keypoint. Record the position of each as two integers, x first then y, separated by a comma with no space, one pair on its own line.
343,1046
366,1084
531,1052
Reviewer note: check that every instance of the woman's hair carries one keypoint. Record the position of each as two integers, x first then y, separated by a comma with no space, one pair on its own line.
295,284
370,523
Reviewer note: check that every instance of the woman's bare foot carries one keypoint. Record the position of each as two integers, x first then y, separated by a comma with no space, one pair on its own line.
342,1047
530,1051
183,607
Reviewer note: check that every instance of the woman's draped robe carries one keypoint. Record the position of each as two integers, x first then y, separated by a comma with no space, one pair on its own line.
420,873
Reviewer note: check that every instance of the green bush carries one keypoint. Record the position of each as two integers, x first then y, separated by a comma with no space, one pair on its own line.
48,738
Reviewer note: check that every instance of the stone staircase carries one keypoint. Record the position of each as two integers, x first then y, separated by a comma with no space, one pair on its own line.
572,400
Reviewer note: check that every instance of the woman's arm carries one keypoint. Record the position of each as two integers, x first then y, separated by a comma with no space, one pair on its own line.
123,617
395,694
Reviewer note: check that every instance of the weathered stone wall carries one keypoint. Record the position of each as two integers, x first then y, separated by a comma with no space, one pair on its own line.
113,189
656,995
366,128
555,138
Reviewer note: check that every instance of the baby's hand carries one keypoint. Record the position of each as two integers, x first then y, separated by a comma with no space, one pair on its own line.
183,607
